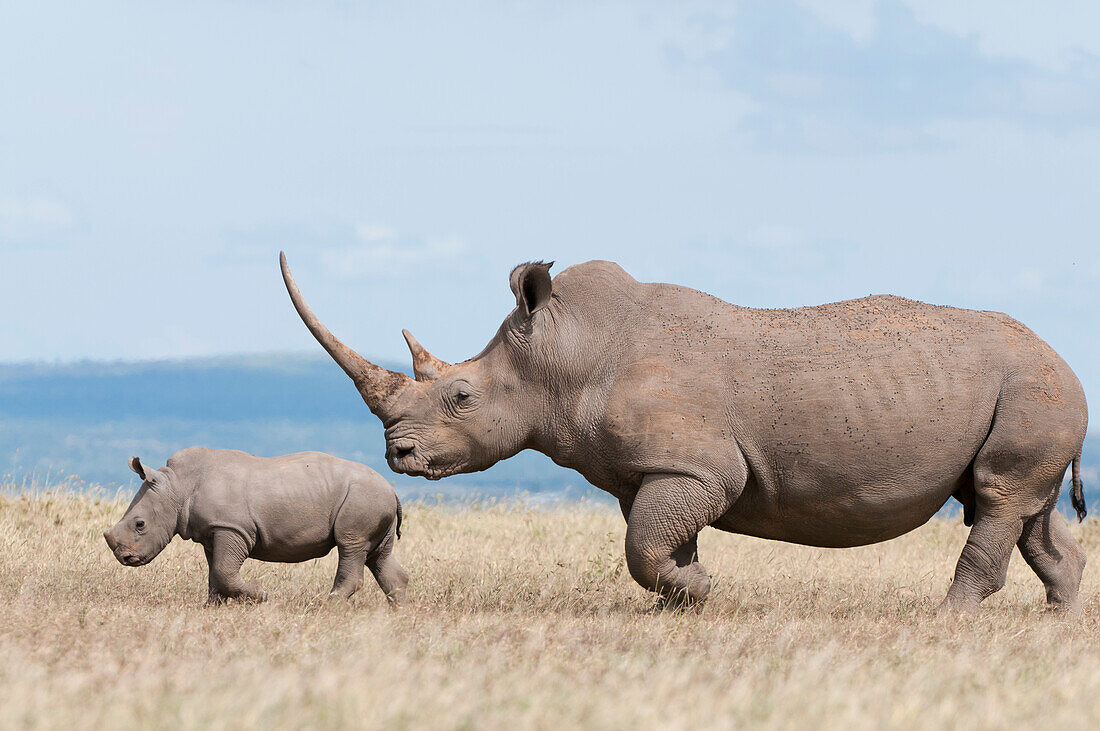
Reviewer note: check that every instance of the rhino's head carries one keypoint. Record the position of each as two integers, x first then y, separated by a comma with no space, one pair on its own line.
461,417
149,522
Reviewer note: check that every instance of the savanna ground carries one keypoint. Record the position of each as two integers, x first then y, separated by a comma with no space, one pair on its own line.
526,616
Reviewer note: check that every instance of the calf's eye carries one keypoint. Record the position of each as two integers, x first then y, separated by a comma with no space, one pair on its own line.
139,524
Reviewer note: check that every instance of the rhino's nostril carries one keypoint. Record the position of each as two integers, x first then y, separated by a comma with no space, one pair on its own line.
402,449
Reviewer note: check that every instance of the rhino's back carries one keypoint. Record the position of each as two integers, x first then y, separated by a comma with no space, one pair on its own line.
874,356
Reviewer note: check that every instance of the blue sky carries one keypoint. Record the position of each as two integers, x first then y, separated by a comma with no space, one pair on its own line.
155,157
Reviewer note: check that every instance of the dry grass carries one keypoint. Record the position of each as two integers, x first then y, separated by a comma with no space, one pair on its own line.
527,617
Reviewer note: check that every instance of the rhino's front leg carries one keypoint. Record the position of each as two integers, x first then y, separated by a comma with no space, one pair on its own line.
625,504
666,516
228,550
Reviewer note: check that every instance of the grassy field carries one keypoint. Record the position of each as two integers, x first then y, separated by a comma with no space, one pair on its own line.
523,616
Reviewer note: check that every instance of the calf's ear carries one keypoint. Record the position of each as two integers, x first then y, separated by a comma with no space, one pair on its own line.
531,285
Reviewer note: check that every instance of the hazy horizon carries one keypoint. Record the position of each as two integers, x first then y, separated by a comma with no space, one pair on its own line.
84,420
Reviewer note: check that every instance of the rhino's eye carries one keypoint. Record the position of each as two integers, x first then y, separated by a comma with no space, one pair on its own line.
461,397
139,524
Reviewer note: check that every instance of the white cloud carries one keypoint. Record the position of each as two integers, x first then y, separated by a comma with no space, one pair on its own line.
774,236
27,218
372,232
1055,97
697,29
1051,35
384,253
801,86
854,17
1030,280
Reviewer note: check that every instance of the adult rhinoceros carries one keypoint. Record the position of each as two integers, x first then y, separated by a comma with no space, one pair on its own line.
838,425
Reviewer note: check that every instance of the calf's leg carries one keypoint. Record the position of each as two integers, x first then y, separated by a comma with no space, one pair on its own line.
349,571
390,575
212,595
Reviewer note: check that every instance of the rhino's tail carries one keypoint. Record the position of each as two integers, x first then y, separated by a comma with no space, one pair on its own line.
1077,497
397,530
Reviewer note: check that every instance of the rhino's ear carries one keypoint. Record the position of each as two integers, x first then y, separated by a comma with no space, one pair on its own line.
141,470
531,285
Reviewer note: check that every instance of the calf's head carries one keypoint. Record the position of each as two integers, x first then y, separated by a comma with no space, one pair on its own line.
149,522
461,417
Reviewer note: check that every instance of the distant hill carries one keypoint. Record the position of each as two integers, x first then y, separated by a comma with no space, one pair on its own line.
82,421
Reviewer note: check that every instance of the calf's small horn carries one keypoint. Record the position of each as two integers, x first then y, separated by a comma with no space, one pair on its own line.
426,367
377,385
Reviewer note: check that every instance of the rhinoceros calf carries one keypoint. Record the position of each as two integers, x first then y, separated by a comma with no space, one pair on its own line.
285,509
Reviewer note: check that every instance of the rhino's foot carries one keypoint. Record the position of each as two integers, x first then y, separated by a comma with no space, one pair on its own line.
217,600
680,602
338,596
1059,608
953,606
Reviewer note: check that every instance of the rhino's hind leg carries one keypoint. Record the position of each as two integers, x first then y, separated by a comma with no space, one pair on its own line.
665,518
1015,484
1051,551
983,565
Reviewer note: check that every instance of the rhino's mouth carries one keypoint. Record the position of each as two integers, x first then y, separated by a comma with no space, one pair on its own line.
406,457
418,467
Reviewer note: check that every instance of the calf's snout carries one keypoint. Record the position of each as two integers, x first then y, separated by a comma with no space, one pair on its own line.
125,554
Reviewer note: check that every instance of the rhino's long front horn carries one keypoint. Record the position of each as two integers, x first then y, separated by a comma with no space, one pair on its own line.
377,385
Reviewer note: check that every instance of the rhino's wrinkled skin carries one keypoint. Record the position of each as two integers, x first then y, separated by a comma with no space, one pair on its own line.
838,425
286,509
